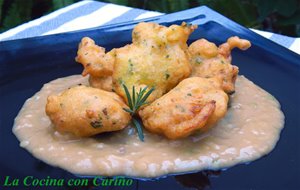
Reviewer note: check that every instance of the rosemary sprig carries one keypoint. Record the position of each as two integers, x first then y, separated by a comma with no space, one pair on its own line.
135,101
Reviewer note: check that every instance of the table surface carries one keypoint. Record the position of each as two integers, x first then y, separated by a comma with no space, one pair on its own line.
89,14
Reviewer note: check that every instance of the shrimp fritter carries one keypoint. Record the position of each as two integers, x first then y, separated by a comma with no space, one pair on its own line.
85,111
208,60
104,83
194,104
156,58
97,63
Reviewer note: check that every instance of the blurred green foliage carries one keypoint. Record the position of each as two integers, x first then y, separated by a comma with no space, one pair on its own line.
280,16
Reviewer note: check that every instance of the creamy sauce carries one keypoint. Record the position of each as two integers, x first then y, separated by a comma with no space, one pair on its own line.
249,130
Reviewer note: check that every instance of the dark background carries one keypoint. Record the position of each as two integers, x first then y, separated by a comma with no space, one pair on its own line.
279,16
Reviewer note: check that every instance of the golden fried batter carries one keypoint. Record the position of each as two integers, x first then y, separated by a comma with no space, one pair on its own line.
208,60
85,111
194,104
93,58
96,63
104,83
156,58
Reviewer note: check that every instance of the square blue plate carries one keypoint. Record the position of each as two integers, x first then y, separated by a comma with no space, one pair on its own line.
25,65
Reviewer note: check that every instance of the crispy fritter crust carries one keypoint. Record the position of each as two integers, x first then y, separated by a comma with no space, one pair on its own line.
194,104
104,83
208,60
156,58
85,111
93,58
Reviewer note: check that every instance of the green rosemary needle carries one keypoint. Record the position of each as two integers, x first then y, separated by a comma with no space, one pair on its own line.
135,101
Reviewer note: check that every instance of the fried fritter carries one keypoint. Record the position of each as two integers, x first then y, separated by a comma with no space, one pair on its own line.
156,58
85,111
208,60
97,63
194,104
94,59
104,83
